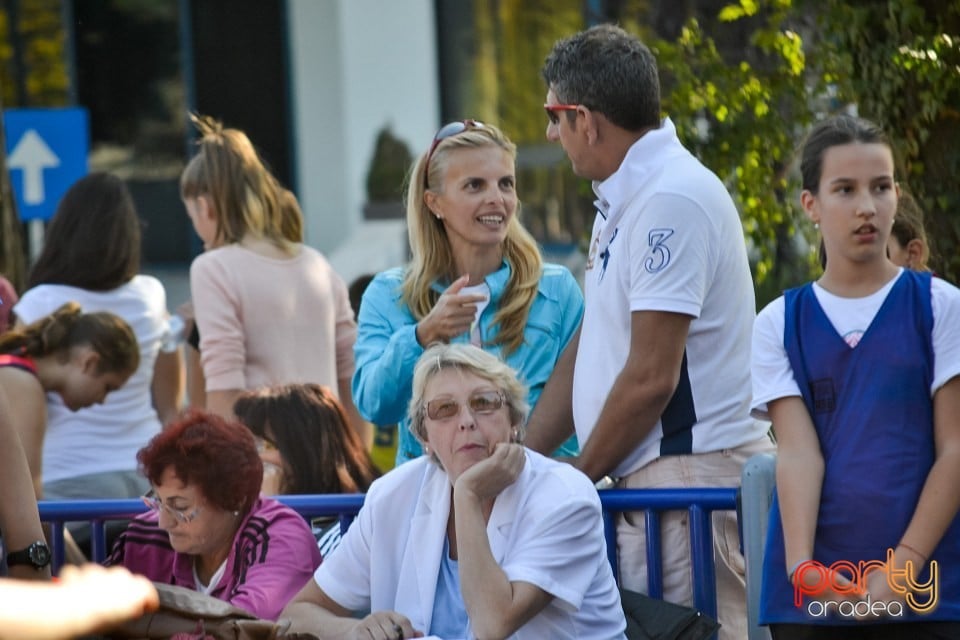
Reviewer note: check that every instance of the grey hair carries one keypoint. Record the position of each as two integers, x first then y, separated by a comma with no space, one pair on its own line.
608,70
471,359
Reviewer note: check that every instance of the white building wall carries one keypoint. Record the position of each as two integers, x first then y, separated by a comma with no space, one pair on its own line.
357,65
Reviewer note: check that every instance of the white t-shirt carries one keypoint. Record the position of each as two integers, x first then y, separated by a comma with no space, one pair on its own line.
208,588
668,238
105,437
851,317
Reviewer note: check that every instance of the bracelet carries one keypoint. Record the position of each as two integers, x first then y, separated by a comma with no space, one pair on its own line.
794,570
909,548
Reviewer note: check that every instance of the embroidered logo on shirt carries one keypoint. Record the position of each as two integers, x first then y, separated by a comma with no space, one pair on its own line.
659,251
605,256
592,255
824,396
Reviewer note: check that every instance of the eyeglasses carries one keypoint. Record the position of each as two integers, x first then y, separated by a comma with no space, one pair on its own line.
480,403
155,504
552,110
448,131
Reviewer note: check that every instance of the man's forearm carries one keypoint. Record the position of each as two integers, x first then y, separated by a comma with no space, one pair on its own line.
551,421
629,414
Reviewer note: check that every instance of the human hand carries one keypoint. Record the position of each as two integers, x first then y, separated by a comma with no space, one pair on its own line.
878,589
452,315
107,595
385,625
185,310
823,583
896,582
487,478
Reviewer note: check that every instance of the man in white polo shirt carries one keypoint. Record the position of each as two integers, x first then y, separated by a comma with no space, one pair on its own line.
659,374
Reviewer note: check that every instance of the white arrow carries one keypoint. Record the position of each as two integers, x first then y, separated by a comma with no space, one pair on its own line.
32,156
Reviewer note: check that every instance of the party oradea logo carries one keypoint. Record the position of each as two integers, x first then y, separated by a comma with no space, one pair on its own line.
817,587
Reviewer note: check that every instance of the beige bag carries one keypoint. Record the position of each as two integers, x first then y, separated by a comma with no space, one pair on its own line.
185,614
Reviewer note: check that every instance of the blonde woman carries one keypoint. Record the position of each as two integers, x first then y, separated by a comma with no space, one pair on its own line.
270,310
476,276
482,538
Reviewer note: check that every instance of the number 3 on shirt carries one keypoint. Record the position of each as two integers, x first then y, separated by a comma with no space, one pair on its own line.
659,252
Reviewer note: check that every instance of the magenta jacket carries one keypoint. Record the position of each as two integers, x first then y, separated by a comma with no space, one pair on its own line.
274,554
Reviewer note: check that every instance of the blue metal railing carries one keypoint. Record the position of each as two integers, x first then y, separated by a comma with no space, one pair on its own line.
699,503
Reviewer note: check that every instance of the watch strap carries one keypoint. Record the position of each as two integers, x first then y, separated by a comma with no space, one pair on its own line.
37,554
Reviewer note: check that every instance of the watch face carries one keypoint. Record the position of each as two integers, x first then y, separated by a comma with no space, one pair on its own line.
39,554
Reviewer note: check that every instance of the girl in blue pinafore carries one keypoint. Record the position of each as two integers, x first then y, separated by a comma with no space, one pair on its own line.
860,374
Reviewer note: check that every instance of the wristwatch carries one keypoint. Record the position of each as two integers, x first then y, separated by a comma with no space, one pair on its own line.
37,554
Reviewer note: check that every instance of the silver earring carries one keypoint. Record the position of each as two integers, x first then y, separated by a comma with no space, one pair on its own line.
816,225
236,513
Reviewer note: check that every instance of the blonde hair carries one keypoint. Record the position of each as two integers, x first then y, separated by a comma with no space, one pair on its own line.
471,359
433,258
245,196
291,222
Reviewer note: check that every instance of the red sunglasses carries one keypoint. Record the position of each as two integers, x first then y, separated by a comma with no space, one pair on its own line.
552,110
448,131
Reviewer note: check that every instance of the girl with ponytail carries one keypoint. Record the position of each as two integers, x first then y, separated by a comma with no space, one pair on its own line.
80,356
270,309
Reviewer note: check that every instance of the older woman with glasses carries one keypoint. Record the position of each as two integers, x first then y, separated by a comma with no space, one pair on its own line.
208,529
476,276
480,538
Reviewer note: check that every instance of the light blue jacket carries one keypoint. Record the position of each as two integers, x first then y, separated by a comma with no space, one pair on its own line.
387,349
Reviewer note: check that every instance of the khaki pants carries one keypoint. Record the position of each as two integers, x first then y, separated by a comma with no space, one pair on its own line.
716,469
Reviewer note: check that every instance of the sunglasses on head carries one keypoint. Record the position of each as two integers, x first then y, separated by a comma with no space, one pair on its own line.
552,110
448,131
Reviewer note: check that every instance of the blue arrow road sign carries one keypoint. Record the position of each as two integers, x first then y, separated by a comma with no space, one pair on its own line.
46,153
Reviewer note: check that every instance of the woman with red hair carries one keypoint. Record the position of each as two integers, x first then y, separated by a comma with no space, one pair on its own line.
208,528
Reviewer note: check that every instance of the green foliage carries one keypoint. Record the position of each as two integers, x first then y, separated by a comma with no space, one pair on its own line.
388,168
43,74
903,71
527,30
743,108
741,112
743,82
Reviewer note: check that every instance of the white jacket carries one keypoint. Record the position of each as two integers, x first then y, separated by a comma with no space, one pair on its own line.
545,529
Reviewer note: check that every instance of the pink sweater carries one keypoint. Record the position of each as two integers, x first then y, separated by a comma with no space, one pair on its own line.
272,556
266,321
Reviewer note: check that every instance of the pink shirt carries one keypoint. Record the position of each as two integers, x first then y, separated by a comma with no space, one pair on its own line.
272,556
266,321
